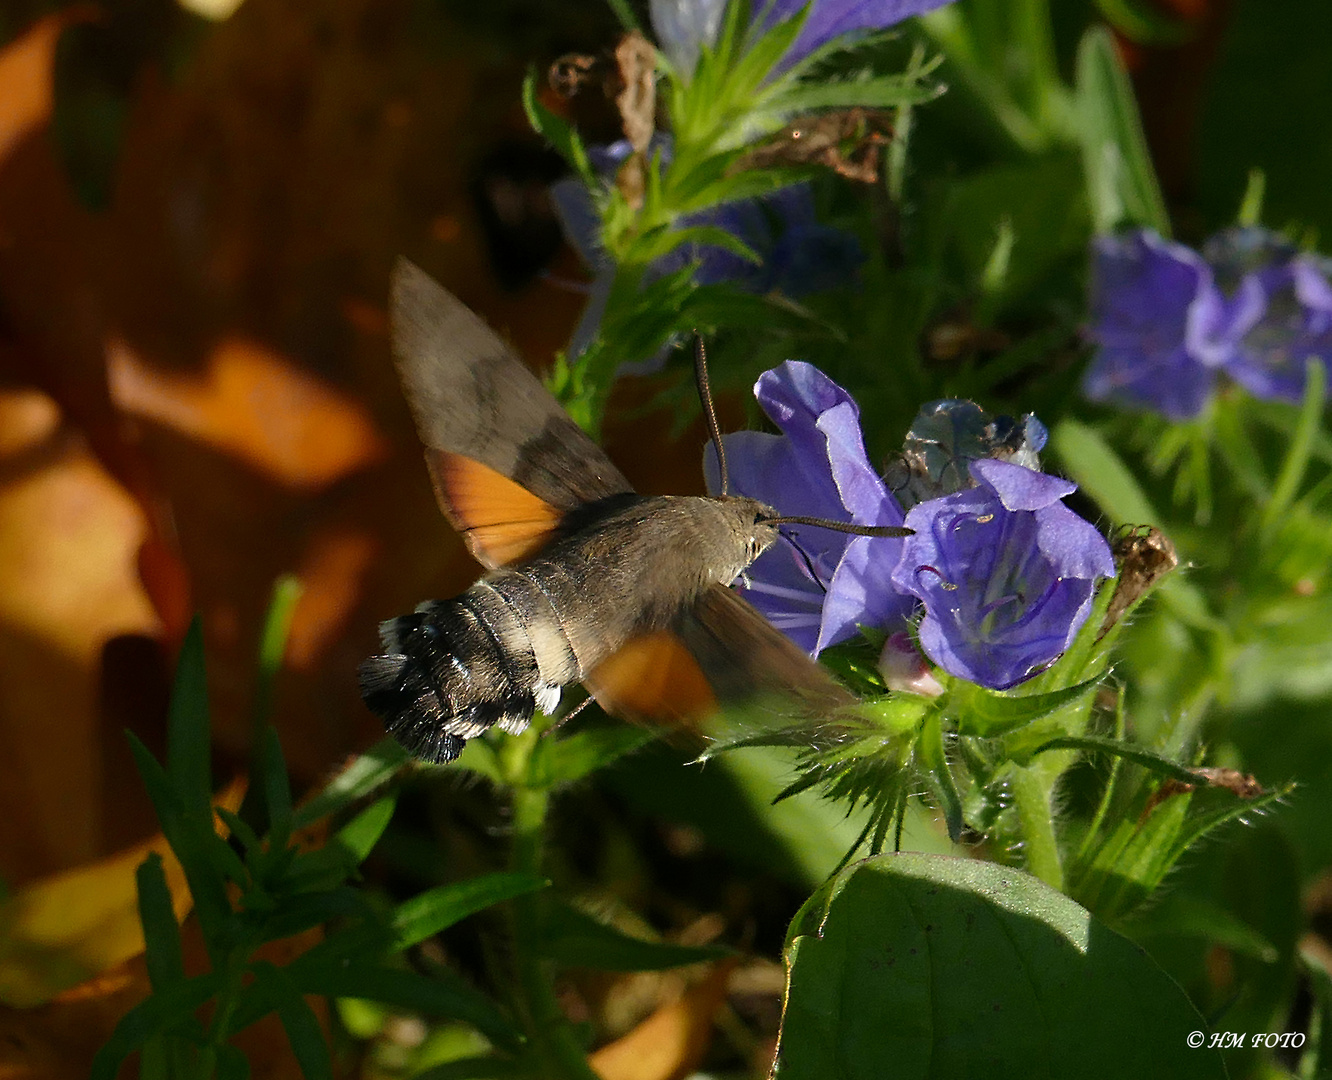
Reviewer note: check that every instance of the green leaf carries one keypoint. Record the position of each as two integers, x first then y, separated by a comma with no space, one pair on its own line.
152,1017
161,932
558,133
441,994
1136,754
990,713
961,968
189,741
1301,445
667,240
365,774
93,77
203,855
277,788
1144,24
574,938
475,1068
273,642
298,1021
874,92
1121,182
557,760
437,909
1100,472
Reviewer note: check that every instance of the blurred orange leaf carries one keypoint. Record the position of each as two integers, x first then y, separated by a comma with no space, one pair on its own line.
254,404
69,540
671,1042
63,930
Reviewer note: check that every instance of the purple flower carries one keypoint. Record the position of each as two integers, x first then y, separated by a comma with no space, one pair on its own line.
1006,573
683,27
1159,321
816,585
1278,310
831,19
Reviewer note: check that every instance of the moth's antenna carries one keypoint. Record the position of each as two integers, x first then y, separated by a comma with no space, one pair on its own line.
842,526
709,410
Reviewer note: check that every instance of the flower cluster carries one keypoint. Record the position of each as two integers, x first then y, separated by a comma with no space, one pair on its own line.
798,254
1169,321
1004,571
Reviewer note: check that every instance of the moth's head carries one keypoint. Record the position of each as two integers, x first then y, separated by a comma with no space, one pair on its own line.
753,535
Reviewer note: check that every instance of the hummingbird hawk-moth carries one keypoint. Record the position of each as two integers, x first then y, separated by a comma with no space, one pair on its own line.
586,580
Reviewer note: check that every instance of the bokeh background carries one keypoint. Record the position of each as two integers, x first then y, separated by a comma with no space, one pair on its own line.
198,213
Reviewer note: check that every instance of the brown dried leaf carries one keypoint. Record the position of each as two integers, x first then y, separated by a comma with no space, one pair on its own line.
671,1042
74,926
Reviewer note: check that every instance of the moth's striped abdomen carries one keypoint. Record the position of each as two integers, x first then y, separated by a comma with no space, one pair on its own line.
453,668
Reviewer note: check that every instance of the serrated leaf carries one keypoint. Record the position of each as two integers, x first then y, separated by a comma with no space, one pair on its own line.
984,971
574,938
437,909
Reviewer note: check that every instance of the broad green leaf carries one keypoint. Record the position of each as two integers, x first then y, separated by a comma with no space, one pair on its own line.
437,909
1141,22
961,968
1121,182
574,938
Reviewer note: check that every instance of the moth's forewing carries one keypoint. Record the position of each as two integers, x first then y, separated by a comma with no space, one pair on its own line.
743,655
471,396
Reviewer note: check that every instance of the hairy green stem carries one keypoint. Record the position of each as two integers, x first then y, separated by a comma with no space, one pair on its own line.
557,1048
1031,799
